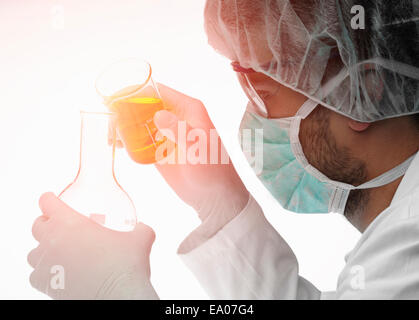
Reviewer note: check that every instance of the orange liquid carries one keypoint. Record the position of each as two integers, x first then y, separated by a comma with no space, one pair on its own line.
136,127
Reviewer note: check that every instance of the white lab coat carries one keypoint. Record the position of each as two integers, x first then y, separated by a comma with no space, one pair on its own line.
248,259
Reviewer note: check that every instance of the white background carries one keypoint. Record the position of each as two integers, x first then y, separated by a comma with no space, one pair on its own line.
50,53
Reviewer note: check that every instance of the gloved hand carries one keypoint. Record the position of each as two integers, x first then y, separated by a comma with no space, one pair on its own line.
208,188
79,259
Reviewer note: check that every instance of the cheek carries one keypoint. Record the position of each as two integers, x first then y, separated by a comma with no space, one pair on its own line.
285,103
340,130
317,139
309,139
279,108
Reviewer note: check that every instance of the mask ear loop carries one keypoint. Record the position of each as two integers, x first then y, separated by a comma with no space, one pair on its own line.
306,108
302,113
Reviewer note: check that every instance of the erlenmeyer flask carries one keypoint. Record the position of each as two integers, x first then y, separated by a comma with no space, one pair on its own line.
95,192
128,90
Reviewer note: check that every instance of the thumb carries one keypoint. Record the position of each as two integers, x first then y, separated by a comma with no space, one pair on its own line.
145,236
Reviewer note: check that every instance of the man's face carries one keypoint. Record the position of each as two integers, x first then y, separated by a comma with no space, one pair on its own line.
322,135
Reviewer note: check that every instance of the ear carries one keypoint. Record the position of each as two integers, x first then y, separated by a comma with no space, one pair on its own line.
358,126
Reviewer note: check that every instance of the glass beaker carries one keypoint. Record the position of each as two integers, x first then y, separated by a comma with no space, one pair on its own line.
95,192
128,90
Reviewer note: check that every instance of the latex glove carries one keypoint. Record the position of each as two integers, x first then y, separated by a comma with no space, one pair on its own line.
79,259
208,188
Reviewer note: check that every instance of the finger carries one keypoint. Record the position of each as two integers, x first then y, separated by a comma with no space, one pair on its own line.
176,131
39,226
168,125
145,235
34,257
173,99
185,107
52,206
37,280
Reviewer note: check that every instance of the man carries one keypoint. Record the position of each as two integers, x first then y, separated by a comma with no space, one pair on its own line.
338,108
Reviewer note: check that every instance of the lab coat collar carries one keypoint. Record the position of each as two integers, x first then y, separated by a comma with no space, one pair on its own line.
409,182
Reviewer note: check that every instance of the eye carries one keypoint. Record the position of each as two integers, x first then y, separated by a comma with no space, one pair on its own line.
263,94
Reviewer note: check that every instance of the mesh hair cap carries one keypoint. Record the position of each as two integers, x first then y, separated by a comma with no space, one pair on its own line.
312,47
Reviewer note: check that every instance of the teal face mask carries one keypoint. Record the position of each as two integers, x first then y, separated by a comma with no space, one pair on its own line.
285,172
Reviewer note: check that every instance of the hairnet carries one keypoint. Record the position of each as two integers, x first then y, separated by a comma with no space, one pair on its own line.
310,46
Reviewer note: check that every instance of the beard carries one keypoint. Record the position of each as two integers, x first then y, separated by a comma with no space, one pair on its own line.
337,163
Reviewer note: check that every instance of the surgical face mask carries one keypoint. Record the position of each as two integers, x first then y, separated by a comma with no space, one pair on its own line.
286,173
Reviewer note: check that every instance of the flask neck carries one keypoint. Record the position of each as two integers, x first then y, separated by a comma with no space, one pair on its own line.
97,148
